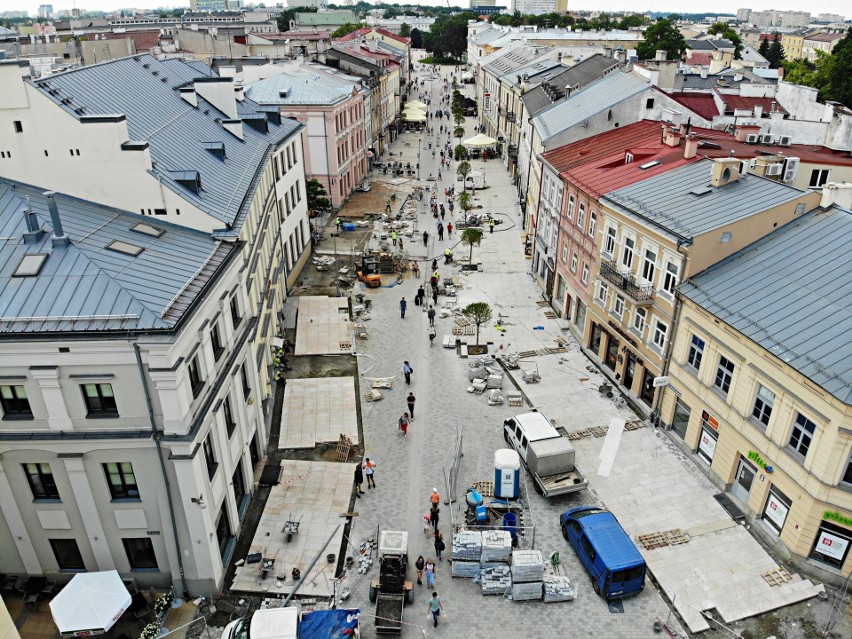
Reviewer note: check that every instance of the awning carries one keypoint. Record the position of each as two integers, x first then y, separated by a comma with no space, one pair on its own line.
479,141
415,104
90,604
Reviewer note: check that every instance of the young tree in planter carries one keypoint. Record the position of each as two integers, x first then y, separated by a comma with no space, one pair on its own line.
458,116
459,132
317,200
465,203
471,237
463,169
478,312
460,153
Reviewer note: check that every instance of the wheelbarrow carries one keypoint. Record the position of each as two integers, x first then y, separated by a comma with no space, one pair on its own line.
291,527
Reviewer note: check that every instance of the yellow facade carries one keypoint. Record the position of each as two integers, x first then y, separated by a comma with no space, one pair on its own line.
749,438
792,45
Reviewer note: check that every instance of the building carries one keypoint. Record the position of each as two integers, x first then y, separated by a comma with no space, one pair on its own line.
328,20
759,385
130,430
385,41
824,42
538,7
793,43
45,11
332,109
319,4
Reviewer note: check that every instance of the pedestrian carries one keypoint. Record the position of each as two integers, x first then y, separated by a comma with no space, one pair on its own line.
410,401
491,224
441,229
425,238
394,237
359,480
434,516
442,210
415,268
452,206
432,335
407,370
426,525
435,295
435,497
403,424
402,306
338,224
419,565
387,206
431,314
439,544
449,224
418,298
368,473
429,569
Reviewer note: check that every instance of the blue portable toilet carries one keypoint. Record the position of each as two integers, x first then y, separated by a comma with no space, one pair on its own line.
507,474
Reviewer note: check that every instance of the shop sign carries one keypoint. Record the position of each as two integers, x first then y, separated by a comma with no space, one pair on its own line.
776,510
754,456
835,516
831,545
711,421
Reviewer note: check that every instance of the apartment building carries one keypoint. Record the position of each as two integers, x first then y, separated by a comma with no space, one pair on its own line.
824,42
759,385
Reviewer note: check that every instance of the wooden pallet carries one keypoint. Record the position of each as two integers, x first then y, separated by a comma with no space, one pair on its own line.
514,399
777,577
484,488
344,447
464,330
346,346
549,315
634,424
663,538
542,303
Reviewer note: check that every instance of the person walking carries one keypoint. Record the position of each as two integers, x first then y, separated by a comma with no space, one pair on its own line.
429,569
403,424
439,544
426,525
402,306
418,298
419,565
407,370
435,295
450,224
435,497
431,315
369,472
359,480
441,229
436,606
425,238
432,334
410,401
434,516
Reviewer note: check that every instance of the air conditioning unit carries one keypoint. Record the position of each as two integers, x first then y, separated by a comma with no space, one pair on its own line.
784,140
765,139
751,138
791,167
774,169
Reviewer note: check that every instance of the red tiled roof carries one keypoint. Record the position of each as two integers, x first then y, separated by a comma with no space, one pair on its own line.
365,30
699,57
143,39
393,36
353,35
825,37
733,102
701,103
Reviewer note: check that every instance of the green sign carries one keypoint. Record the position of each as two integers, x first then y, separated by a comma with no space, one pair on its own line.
835,516
754,456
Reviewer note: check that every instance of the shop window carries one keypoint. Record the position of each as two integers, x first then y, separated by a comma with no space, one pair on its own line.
802,435
831,545
776,509
67,554
724,374
696,352
646,394
140,553
763,404
595,339
680,419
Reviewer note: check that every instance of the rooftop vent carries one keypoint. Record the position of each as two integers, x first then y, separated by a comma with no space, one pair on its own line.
190,180
215,148
59,238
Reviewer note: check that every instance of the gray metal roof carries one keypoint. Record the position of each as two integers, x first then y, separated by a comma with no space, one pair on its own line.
682,201
87,287
588,101
512,59
579,75
146,91
790,293
303,85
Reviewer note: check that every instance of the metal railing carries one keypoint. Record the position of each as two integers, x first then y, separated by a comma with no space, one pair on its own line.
627,283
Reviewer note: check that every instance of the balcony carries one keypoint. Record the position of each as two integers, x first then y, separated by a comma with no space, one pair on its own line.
641,295
512,150
510,116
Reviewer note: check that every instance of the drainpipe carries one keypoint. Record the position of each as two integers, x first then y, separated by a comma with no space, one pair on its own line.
156,435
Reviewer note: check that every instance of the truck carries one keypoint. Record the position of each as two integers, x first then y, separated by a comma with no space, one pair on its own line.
390,592
546,453
288,623
475,180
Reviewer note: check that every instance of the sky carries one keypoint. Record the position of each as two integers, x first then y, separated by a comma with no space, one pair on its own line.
841,7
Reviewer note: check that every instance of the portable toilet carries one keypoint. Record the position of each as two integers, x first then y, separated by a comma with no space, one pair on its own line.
507,474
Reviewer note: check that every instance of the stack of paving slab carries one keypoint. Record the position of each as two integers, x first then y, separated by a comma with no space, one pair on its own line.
496,548
466,553
557,588
527,575
496,580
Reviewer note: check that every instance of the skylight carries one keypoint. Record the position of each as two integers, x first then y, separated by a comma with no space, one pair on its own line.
124,247
31,265
648,165
147,229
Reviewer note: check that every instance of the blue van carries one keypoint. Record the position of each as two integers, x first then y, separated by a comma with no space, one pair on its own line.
615,565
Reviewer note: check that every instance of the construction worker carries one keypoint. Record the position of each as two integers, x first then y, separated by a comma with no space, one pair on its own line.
338,223
448,255
491,224
387,206
394,237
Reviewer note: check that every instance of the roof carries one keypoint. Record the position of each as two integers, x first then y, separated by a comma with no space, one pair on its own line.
700,45
326,18
825,37
512,59
682,202
698,58
579,75
303,85
294,35
790,293
144,89
588,101
365,30
733,102
701,103
87,287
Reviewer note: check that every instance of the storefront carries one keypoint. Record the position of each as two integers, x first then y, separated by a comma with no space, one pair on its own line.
776,509
680,418
709,437
833,540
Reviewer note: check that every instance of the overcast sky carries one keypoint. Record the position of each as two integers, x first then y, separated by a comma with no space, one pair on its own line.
730,6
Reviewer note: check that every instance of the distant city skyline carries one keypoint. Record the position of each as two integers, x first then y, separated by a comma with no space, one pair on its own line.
639,6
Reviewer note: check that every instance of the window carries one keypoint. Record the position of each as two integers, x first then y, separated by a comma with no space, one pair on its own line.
574,263
818,178
19,128
195,380
67,554
565,253
593,223
648,266
216,343
724,374
15,404
570,207
763,404
649,103
121,480
802,435
670,278
847,474
581,215
639,320
245,381
696,352
585,277
609,241
235,312
99,400
660,332
618,306
627,253
588,549
140,553
603,289
42,483
209,456
228,413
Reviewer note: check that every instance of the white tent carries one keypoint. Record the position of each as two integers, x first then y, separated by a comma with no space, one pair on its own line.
90,604
414,116
415,104
479,141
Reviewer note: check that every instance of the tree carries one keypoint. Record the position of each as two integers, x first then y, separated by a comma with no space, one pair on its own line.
460,152
463,169
840,79
631,21
405,30
471,237
317,199
346,29
416,39
448,35
465,203
763,49
775,53
665,36
478,312
285,16
459,132
723,29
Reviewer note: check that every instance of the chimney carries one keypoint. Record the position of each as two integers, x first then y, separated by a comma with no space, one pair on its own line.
234,126
839,193
34,232
661,55
219,92
372,46
671,137
59,238
758,111
690,147
621,54
188,94
724,171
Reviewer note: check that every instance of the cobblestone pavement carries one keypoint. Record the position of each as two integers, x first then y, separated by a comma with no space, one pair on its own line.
408,468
